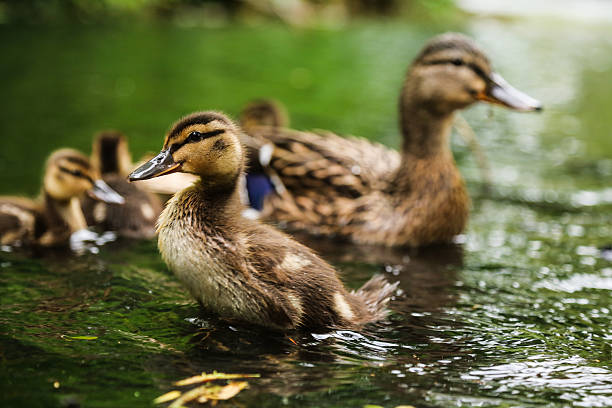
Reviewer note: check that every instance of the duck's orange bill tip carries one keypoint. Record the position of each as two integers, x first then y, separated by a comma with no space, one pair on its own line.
161,164
502,93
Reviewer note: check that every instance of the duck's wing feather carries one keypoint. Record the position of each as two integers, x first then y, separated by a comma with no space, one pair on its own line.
319,160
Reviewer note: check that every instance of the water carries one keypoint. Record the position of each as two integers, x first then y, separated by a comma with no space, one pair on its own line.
517,313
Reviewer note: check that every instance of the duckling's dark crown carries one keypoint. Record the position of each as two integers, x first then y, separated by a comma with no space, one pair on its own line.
71,156
198,118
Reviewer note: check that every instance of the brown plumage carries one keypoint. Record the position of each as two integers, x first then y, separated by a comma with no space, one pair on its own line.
236,267
137,217
52,218
364,192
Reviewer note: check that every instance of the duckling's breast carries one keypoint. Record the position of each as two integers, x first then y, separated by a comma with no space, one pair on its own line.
200,261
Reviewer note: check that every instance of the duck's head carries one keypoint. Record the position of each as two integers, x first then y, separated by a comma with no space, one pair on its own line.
110,153
204,143
451,72
69,174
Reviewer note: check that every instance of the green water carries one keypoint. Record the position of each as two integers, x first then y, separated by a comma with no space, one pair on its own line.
516,314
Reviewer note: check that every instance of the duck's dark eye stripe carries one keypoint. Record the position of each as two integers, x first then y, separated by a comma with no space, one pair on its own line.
75,173
195,137
458,62
478,71
78,160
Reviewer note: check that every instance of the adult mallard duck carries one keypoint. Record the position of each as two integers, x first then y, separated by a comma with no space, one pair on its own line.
354,189
52,219
237,267
137,217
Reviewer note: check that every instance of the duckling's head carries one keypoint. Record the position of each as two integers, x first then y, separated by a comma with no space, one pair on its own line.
263,112
204,143
69,174
451,72
110,153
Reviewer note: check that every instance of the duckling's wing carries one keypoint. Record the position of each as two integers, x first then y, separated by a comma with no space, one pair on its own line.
323,161
18,220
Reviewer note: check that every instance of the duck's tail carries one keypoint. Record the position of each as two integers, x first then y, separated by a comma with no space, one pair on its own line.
376,293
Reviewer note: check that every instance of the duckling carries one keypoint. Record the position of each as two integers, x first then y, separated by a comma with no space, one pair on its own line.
137,217
52,219
259,181
236,267
356,190
263,112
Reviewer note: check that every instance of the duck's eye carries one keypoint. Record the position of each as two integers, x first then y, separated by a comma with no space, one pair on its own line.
77,173
194,136
457,62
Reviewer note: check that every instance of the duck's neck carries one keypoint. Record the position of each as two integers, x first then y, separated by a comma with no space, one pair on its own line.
425,146
64,214
425,130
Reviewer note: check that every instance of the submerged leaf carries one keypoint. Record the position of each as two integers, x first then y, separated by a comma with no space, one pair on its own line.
190,395
230,390
169,396
211,377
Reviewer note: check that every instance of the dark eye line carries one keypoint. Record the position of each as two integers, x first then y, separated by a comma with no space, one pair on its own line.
76,173
195,137
459,62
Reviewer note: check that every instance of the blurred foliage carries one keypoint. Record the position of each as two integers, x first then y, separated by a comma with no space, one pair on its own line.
206,12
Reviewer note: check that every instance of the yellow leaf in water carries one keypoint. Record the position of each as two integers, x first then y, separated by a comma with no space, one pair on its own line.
198,392
405,406
169,396
211,377
83,337
230,390
204,393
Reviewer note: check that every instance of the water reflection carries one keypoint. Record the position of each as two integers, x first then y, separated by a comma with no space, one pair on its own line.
578,383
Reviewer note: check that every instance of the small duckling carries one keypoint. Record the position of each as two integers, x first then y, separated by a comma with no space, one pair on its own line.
51,220
263,112
137,217
237,267
363,192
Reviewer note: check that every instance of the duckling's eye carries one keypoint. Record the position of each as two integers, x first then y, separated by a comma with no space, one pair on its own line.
194,136
457,62
76,173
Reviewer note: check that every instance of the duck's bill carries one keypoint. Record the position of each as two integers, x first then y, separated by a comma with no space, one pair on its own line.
101,191
502,93
161,164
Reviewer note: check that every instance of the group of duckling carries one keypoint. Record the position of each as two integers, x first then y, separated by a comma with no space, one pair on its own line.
318,182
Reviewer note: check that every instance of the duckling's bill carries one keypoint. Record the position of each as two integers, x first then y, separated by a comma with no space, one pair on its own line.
102,191
500,92
161,164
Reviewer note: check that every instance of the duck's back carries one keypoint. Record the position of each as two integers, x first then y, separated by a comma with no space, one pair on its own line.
342,166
